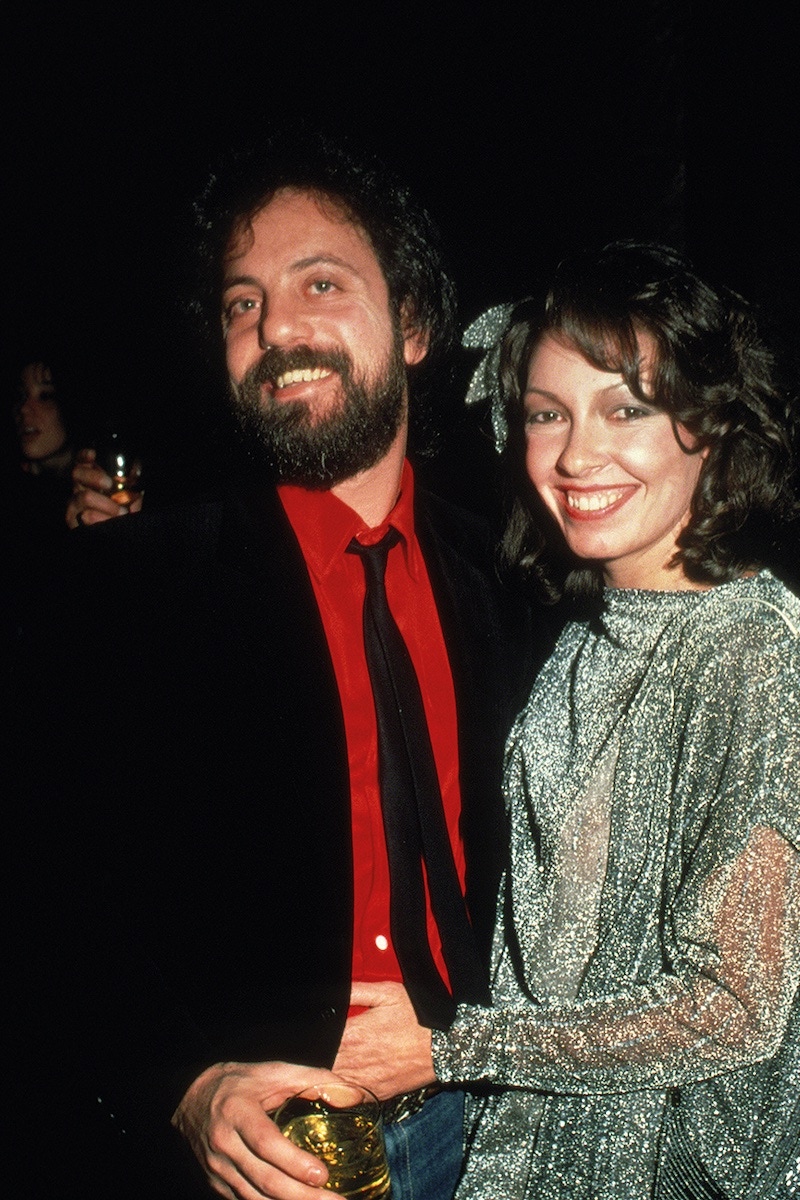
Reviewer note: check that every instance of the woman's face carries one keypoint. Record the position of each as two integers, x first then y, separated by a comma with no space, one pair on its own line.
608,467
40,428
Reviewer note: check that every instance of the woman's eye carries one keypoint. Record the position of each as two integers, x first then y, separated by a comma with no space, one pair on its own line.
542,417
322,286
631,412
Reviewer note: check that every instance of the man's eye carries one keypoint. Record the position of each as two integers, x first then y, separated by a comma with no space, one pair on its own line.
322,286
242,304
239,307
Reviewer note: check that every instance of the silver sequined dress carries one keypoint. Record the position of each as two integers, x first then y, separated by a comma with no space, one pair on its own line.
647,955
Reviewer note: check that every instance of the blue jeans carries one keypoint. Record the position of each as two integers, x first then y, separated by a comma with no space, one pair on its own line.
425,1151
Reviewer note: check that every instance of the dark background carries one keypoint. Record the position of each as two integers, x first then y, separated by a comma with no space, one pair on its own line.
527,132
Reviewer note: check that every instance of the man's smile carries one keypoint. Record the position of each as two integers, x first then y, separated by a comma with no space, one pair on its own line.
301,375
294,383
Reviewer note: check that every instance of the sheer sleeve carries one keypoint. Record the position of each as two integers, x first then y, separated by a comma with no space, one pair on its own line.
704,1019
730,914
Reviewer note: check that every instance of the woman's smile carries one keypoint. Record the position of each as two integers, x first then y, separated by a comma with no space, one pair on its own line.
593,504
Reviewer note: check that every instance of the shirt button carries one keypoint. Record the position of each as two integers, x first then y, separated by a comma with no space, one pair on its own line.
382,942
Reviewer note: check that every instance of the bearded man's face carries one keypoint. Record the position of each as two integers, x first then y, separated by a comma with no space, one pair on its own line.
316,358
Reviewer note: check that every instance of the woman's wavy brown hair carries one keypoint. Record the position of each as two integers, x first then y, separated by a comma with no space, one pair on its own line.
713,374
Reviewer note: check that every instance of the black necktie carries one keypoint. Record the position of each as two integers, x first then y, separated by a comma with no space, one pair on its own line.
413,815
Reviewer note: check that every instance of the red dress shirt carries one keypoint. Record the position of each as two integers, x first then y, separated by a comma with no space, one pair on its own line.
324,526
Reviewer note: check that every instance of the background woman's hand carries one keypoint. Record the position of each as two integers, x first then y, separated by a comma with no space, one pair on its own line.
89,503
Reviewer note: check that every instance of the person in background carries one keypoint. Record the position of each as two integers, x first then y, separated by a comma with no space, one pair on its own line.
45,451
36,476
40,422
644,1038
212,822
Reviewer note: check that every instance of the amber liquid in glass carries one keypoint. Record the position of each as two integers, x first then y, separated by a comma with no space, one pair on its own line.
349,1143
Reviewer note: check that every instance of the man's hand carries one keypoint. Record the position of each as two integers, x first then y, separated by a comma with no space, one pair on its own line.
89,504
224,1118
385,1048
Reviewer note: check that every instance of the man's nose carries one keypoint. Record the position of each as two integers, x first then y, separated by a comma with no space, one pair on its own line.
285,322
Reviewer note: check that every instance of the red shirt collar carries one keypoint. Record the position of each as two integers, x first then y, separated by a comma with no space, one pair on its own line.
325,525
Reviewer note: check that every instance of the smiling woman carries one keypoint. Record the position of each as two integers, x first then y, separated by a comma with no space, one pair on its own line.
647,955
643,1039
616,474
666,419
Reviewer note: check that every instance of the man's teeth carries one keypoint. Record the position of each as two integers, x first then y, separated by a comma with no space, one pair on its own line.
593,501
301,375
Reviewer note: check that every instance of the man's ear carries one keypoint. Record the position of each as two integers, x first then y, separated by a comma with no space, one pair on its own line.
415,339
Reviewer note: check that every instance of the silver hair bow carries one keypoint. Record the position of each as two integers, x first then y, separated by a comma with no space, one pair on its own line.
486,333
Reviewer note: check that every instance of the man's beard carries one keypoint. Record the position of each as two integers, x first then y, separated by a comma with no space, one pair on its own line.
317,451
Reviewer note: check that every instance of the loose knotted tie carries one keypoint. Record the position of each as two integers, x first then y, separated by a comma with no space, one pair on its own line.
413,815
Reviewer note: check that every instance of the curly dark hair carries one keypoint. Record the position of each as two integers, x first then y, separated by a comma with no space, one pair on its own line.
402,234
713,374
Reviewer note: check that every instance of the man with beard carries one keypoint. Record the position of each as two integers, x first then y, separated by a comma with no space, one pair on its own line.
218,826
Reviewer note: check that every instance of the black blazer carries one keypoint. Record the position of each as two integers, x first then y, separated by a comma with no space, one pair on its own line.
189,826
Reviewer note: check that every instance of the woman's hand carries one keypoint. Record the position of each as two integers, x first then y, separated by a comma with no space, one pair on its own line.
90,502
385,1048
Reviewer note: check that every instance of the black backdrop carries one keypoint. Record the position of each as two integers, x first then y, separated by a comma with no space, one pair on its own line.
527,131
